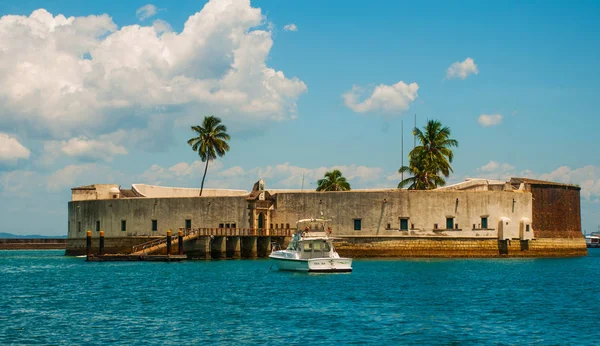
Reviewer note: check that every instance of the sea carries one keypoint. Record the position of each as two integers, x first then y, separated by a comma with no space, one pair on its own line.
48,298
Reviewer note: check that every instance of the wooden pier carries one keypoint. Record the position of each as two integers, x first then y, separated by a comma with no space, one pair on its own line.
198,243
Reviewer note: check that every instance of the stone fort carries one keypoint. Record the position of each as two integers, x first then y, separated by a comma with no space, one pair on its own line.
475,218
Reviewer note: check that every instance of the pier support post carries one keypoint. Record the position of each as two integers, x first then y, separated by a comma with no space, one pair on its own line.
88,244
248,247
168,242
263,244
233,247
180,242
218,248
101,249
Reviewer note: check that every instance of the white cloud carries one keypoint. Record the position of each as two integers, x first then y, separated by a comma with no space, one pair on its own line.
11,149
160,26
495,170
387,98
85,148
146,12
487,120
82,174
587,177
290,27
462,69
282,175
67,76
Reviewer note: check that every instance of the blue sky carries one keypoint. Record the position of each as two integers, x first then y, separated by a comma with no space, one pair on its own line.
110,98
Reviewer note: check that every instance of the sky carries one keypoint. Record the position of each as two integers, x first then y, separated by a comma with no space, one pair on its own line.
106,92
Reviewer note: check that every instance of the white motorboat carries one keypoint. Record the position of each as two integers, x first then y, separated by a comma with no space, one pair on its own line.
311,250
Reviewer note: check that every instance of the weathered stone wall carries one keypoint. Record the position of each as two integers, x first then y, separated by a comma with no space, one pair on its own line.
443,247
170,213
556,211
32,243
424,209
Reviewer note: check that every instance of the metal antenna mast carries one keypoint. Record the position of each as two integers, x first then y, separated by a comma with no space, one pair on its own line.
402,146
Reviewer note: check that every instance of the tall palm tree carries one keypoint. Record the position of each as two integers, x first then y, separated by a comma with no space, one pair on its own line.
211,140
430,160
333,181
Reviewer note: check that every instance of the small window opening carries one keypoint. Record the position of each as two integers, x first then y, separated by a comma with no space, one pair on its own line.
276,226
357,224
78,226
435,226
404,224
221,225
456,226
389,226
227,225
154,225
281,226
123,225
449,223
412,226
526,228
233,225
287,225
97,226
188,223
484,222
473,226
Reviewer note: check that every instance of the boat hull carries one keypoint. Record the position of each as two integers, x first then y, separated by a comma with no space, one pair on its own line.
323,265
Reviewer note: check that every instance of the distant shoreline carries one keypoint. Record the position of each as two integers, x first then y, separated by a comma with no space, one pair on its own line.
33,243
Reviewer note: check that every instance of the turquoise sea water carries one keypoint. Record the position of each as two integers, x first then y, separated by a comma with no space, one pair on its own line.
47,298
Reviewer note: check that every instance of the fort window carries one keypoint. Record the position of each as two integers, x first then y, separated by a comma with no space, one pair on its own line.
404,224
78,226
287,225
233,225
435,226
526,228
484,222
154,225
97,226
221,225
276,226
455,226
357,224
271,226
412,226
449,223
123,225
188,223
281,225
227,225
389,226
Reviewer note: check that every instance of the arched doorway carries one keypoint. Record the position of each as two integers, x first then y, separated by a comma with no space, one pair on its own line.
261,221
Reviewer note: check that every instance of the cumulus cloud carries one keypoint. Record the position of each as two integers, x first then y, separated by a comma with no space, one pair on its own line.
387,98
85,148
282,175
290,27
146,12
587,177
160,26
462,69
65,76
487,120
11,149
82,174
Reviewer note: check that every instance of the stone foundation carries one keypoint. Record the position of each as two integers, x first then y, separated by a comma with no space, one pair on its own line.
468,247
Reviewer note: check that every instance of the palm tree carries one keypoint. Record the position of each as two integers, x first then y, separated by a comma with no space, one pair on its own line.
211,140
431,158
333,181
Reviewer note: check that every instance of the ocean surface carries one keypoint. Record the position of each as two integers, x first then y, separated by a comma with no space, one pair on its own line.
47,298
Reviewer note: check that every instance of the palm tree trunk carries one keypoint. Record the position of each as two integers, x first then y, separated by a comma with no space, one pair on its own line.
203,177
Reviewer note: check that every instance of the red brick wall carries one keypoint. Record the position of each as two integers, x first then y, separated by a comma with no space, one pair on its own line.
556,211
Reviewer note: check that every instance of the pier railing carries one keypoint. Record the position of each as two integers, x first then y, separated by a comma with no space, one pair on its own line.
192,233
